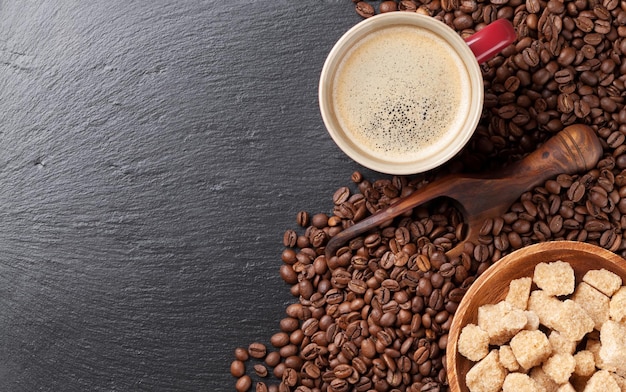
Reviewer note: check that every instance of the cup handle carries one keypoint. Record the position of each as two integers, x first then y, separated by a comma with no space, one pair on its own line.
491,39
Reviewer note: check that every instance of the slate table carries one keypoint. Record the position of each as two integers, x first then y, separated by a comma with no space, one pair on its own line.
153,154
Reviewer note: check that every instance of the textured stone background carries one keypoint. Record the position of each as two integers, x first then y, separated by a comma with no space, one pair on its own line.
153,153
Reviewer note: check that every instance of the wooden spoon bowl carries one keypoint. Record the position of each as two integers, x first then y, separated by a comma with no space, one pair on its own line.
492,287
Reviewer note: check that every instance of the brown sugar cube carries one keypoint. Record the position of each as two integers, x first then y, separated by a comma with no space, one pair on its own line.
556,278
545,306
613,346
519,291
560,367
543,380
531,348
594,347
561,344
603,280
585,363
473,342
602,381
487,375
519,382
501,321
621,381
567,317
593,302
507,358
566,388
617,305
532,320
574,322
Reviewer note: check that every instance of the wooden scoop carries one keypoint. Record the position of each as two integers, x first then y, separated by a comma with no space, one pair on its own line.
574,149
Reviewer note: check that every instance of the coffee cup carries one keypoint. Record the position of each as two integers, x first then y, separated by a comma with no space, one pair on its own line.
402,93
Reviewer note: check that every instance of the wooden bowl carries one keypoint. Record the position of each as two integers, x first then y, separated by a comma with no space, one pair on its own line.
492,287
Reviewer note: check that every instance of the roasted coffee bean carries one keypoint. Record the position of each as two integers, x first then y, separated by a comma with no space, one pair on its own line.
290,238
436,300
462,22
481,253
311,370
512,83
421,355
615,139
279,339
364,9
343,371
272,359
339,385
290,377
407,5
257,350
507,111
356,177
424,287
447,270
388,6
302,218
260,370
531,57
241,354
564,76
243,384
341,195
533,6
456,294
423,263
319,220
565,103
576,192
237,368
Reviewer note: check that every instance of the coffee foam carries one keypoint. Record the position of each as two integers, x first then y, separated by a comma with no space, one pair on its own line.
398,91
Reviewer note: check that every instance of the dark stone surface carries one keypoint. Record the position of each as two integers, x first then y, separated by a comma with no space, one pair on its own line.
153,153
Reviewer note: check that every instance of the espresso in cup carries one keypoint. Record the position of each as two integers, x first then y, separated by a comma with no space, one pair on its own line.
401,93
383,92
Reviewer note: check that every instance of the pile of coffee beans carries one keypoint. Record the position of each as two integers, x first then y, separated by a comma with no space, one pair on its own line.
375,316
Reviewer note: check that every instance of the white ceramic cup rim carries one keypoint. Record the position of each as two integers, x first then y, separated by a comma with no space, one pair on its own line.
378,163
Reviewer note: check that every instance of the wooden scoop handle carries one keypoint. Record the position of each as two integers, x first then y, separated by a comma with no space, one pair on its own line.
574,149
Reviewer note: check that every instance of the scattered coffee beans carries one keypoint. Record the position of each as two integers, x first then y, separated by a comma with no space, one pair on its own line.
375,316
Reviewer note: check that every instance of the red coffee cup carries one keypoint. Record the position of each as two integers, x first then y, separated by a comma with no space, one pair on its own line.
402,93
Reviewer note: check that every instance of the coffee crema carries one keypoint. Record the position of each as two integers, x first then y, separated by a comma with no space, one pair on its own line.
399,90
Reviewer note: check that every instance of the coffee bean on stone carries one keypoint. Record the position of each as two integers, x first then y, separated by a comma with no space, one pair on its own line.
260,370
241,354
243,384
272,359
364,9
237,368
279,339
257,350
